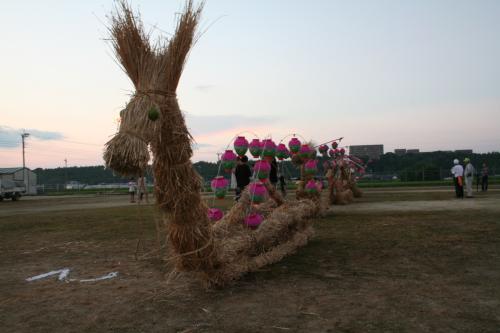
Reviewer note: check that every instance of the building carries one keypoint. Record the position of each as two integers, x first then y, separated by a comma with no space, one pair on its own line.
413,151
20,175
372,151
400,152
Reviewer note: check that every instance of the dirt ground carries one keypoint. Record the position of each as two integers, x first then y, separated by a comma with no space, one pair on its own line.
391,262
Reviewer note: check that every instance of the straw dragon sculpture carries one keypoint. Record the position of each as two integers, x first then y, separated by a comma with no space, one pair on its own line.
218,252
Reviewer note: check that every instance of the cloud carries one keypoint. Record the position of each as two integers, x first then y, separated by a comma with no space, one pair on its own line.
205,87
11,137
202,125
197,145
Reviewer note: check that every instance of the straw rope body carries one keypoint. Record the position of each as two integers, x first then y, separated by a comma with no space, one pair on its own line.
221,252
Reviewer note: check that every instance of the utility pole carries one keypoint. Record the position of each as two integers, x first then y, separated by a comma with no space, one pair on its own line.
65,173
23,137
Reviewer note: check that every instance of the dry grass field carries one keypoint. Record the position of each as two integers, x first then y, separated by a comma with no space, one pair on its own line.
394,261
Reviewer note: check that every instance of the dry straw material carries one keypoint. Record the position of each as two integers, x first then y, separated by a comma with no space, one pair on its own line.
218,253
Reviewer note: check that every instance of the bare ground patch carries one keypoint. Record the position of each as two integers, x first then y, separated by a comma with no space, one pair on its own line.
366,270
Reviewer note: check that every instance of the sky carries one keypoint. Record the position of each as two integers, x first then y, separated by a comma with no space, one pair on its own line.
407,74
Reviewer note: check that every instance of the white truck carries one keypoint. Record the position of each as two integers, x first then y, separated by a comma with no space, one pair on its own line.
11,190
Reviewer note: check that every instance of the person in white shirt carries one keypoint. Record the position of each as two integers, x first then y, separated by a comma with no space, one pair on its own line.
132,188
458,173
469,176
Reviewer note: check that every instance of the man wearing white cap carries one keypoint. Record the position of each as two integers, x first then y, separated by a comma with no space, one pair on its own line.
458,173
469,176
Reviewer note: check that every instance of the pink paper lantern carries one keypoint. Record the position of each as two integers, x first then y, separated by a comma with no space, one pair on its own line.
331,152
311,187
219,186
241,145
311,167
294,145
262,168
335,144
255,148
282,152
305,152
342,151
215,214
268,148
258,192
253,220
228,160
323,149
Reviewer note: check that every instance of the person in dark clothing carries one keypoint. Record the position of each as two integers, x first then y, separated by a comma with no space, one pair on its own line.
273,175
242,173
484,180
282,185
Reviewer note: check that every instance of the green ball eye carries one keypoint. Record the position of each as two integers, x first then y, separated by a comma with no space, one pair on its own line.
153,114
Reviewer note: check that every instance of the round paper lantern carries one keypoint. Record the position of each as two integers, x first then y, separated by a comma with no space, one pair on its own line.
241,145
262,168
215,214
282,152
255,148
323,149
253,220
268,148
331,152
342,151
335,144
219,186
305,152
228,160
311,167
153,114
258,192
311,187
294,145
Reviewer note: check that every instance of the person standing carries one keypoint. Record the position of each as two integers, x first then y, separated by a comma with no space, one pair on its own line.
469,176
458,173
484,180
242,173
143,191
132,188
273,175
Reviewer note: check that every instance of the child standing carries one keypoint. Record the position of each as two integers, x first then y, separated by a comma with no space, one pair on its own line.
132,188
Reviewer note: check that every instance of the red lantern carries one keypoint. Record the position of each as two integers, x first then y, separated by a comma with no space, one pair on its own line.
305,152
311,167
228,160
253,220
258,192
241,145
219,186
323,149
294,145
255,148
311,187
268,148
262,168
282,152
215,214
335,144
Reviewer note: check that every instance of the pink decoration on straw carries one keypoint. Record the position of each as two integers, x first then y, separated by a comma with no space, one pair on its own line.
215,214
253,220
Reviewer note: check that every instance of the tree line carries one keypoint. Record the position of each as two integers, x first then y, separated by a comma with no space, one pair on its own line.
408,167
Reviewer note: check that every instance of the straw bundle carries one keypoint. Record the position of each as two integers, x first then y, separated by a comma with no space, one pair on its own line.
221,252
